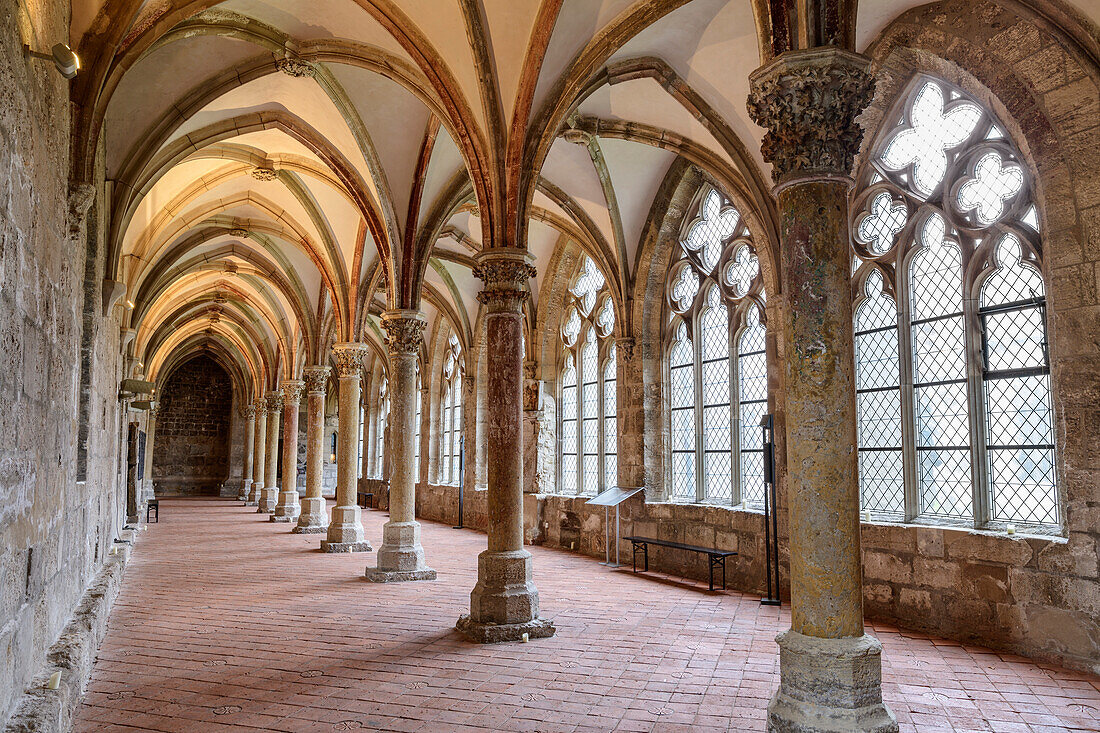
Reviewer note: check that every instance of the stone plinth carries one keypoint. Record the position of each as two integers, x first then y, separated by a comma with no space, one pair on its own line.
401,556
829,686
490,633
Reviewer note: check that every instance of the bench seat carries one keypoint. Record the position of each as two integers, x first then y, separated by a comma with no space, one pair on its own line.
715,557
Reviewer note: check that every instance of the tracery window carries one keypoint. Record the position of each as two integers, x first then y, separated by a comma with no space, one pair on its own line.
717,365
452,413
589,447
952,370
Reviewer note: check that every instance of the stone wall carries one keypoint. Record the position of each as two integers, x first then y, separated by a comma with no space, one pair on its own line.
59,363
191,451
1007,592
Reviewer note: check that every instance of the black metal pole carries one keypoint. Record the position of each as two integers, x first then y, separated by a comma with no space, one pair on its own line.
461,483
771,509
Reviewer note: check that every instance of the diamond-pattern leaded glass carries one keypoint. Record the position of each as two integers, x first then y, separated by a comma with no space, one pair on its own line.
416,439
752,390
569,427
590,416
452,414
878,402
946,151
1019,425
682,392
610,426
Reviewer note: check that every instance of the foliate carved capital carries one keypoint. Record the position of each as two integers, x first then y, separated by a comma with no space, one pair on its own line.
404,331
260,406
808,102
273,401
292,392
316,379
250,412
349,358
505,274
624,349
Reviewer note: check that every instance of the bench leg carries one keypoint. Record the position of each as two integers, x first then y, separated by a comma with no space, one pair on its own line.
710,573
646,555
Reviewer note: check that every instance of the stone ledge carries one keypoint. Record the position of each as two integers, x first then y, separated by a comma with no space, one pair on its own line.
41,710
346,547
284,518
538,628
375,575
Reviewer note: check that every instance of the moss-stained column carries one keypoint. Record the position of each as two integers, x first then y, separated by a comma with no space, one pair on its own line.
504,604
288,508
314,516
401,557
830,670
249,447
345,531
259,452
269,496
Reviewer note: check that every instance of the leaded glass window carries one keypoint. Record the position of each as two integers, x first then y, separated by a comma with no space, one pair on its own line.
380,435
953,385
416,439
451,402
588,436
717,367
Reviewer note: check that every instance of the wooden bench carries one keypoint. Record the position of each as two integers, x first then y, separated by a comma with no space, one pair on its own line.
716,558
365,499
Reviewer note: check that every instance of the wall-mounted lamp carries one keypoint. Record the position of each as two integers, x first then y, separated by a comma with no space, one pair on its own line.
129,305
63,57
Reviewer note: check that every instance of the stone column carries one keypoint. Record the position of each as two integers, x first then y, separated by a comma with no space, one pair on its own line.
345,531
259,453
314,516
249,446
830,670
269,497
150,436
504,604
401,557
288,508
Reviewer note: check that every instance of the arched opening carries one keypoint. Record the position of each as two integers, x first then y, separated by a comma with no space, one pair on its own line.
191,453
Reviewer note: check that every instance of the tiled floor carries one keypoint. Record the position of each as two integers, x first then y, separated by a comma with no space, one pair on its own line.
229,622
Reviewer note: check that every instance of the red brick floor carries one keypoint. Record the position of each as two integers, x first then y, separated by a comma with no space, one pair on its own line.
229,622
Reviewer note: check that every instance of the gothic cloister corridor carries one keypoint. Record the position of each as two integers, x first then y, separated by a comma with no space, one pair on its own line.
214,631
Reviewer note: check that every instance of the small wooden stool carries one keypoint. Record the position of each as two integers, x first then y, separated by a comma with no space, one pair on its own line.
152,507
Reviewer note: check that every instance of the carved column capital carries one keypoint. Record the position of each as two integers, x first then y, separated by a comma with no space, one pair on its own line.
349,357
404,331
273,401
292,392
250,412
316,379
624,349
505,273
808,102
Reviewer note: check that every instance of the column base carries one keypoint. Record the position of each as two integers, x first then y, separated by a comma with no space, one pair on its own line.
254,495
375,575
829,686
505,594
400,553
309,530
489,633
345,531
269,499
327,546
246,486
288,509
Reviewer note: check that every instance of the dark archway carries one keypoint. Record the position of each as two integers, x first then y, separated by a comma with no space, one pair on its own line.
191,449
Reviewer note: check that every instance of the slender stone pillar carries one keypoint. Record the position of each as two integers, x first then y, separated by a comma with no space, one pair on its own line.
314,516
269,497
259,453
249,446
830,670
401,557
345,530
504,604
150,436
288,508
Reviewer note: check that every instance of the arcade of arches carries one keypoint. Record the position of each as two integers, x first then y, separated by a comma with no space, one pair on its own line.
475,262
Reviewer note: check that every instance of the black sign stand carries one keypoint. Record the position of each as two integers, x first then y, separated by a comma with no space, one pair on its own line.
461,481
771,514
